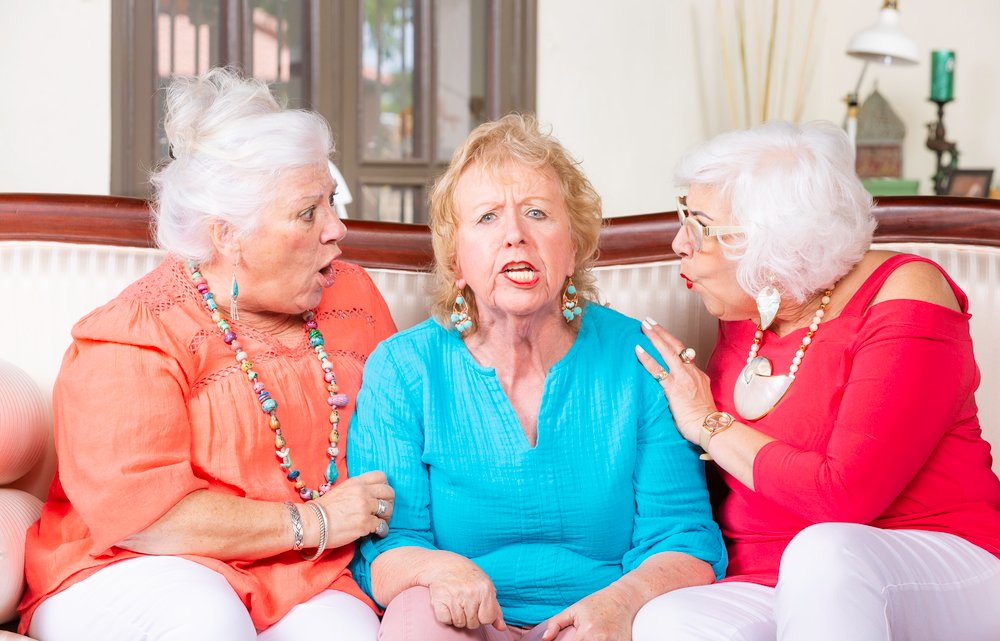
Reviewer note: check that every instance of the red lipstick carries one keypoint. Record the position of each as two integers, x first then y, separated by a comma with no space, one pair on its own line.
687,281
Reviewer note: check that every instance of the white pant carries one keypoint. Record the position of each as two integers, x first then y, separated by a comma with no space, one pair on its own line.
841,581
166,598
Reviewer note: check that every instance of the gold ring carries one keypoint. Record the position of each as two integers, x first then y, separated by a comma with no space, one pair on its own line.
660,375
687,355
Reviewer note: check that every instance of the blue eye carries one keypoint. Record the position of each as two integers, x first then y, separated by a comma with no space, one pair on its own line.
488,217
536,213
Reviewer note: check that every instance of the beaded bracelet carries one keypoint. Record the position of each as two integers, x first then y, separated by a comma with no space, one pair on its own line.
296,525
323,528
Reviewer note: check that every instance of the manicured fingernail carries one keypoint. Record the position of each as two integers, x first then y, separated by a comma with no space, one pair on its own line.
639,349
650,321
646,325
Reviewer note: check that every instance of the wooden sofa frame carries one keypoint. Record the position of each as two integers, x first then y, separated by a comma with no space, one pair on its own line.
115,220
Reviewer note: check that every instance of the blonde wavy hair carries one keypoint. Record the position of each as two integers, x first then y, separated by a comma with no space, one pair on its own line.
514,139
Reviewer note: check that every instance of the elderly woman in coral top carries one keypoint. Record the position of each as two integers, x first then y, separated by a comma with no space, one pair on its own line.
838,406
200,416
542,488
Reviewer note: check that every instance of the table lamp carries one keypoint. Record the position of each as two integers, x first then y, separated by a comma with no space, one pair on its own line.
884,43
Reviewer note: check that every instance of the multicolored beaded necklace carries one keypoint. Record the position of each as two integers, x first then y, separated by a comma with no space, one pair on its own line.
336,400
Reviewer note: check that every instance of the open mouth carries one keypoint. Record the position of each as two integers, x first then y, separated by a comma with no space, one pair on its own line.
328,275
521,273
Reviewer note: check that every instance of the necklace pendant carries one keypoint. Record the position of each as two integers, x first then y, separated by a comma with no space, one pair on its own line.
756,391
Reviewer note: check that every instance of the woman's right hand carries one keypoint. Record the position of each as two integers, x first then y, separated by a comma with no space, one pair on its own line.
462,595
687,388
352,508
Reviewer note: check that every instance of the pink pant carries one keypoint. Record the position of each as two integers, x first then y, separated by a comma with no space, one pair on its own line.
410,617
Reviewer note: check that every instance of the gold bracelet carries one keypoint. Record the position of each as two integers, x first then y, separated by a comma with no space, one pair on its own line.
323,529
297,531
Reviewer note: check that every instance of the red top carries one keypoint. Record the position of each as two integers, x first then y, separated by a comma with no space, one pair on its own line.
879,427
150,405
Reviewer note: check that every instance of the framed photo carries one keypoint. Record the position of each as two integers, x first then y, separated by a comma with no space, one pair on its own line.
970,182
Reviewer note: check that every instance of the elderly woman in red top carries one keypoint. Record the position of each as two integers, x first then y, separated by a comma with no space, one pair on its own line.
202,491
838,406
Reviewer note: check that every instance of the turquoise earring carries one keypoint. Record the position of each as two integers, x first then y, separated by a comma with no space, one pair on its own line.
234,312
460,314
571,302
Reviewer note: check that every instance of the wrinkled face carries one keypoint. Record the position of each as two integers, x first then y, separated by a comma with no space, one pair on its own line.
514,245
708,272
285,263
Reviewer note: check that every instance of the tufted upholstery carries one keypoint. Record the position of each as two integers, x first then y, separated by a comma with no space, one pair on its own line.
61,256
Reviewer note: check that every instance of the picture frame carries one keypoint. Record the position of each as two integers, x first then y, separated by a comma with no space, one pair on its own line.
975,183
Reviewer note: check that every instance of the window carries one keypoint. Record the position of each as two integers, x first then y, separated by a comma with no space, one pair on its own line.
402,82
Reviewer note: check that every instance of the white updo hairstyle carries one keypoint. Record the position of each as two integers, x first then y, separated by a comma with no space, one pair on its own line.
794,189
231,141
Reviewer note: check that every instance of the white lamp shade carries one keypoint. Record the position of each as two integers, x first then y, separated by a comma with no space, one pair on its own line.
884,43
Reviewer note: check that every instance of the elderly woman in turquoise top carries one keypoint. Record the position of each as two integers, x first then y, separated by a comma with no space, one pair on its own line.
542,490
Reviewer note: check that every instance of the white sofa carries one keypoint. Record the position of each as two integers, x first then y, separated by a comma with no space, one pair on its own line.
62,255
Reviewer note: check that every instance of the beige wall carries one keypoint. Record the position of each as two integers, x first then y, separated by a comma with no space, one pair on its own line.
55,96
627,88
627,85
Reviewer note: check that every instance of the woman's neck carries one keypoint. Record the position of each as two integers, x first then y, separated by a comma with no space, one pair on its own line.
797,316
286,328
514,344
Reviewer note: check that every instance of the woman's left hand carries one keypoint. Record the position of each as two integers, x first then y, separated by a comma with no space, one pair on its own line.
602,616
687,388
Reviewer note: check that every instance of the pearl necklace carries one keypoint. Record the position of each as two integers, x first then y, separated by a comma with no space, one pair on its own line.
757,391
269,406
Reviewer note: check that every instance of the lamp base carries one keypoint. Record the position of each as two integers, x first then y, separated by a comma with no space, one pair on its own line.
938,143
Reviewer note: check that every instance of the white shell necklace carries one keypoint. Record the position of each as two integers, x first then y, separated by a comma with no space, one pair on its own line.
757,391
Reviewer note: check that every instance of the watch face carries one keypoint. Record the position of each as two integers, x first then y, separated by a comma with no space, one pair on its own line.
717,421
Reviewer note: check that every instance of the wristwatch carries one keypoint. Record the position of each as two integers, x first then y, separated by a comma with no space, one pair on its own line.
713,424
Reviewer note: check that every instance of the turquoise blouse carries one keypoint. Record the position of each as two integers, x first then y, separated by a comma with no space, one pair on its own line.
609,483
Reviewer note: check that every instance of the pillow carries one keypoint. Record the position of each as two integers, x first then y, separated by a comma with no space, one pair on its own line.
25,417
18,510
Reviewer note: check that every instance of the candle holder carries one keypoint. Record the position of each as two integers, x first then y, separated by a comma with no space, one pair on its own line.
938,143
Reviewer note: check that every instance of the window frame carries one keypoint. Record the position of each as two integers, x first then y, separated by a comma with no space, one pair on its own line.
333,85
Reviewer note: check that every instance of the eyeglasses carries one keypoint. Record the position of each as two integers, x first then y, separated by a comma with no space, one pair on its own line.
698,232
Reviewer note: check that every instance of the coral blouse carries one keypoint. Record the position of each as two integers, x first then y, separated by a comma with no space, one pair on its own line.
879,427
151,405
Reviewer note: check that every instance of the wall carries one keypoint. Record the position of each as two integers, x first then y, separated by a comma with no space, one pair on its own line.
627,85
55,96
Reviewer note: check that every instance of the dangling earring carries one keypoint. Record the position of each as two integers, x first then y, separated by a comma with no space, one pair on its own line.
570,302
768,300
460,314
234,312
